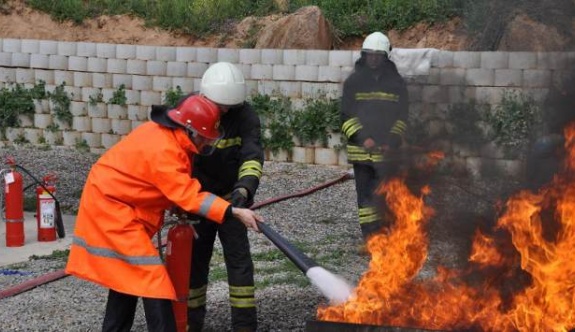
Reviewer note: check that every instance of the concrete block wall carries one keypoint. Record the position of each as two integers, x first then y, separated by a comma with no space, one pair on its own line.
147,72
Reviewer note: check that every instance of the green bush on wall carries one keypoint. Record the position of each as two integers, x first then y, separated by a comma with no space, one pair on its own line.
281,123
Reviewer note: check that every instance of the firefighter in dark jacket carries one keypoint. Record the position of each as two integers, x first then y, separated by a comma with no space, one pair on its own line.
233,170
374,114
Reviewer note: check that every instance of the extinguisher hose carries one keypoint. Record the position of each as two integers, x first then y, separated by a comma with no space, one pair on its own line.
300,260
304,263
58,220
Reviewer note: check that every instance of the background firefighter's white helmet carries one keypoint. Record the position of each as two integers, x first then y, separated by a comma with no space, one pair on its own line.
376,42
224,84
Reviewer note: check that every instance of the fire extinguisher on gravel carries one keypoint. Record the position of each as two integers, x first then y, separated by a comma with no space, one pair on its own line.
46,209
179,264
14,205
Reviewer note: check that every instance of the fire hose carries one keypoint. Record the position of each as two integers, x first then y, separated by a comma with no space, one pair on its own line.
303,262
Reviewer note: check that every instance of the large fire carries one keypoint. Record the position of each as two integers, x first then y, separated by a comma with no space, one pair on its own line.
540,267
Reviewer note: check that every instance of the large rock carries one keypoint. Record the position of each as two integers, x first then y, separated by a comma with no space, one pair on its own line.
526,34
307,28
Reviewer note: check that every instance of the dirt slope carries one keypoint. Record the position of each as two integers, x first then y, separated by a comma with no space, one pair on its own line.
19,21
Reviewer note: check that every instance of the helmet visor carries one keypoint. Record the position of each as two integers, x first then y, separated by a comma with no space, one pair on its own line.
206,146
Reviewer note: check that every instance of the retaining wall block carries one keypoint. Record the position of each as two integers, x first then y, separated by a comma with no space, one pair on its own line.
250,56
145,52
31,46
126,51
97,110
33,135
86,49
283,72
97,65
64,77
228,55
108,140
306,73
294,57
82,80
101,125
78,108
206,55
67,48
166,53
304,155
326,156
136,67
121,127
94,140
22,60
117,112
82,123
53,137
117,66
25,76
44,75
6,59
317,57
156,68
176,69
196,69
185,54
142,83
105,50
48,47
71,138
467,60
12,45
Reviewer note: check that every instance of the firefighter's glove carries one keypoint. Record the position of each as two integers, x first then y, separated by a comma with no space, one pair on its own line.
394,141
239,197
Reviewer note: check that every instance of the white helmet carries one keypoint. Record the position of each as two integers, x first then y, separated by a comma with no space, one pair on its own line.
376,42
224,84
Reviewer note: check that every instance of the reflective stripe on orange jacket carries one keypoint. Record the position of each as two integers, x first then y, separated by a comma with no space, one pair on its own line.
121,207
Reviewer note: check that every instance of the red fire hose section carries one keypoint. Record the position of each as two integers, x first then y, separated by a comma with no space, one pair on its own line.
53,276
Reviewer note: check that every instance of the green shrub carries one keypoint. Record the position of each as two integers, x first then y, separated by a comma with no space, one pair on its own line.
173,96
316,120
512,121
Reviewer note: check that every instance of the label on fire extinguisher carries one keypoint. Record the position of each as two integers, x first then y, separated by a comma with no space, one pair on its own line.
47,211
9,178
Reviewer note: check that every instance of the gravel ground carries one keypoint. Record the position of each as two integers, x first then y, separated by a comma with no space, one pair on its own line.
322,224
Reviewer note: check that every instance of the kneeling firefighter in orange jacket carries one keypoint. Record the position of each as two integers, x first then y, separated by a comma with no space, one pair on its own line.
122,204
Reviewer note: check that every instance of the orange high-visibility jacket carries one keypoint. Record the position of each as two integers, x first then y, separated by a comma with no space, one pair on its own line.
124,198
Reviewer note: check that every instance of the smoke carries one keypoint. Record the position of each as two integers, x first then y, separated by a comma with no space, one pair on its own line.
332,286
489,20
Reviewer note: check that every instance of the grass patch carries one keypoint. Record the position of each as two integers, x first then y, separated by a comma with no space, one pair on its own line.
55,255
349,18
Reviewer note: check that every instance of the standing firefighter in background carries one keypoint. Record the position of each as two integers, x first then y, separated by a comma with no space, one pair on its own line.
233,171
123,202
374,116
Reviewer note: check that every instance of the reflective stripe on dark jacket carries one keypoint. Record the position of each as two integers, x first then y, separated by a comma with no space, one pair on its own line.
238,158
373,107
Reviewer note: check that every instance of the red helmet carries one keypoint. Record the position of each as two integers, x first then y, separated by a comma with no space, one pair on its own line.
195,113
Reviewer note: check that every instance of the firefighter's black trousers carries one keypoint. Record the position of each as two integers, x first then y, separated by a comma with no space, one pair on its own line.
239,265
372,209
121,309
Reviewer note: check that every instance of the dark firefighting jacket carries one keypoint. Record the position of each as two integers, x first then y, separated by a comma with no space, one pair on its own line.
238,158
373,107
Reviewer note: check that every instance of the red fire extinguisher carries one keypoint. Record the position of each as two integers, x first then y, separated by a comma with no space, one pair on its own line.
46,209
14,197
178,264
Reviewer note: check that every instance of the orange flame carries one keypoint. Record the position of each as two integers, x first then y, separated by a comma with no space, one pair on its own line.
390,293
